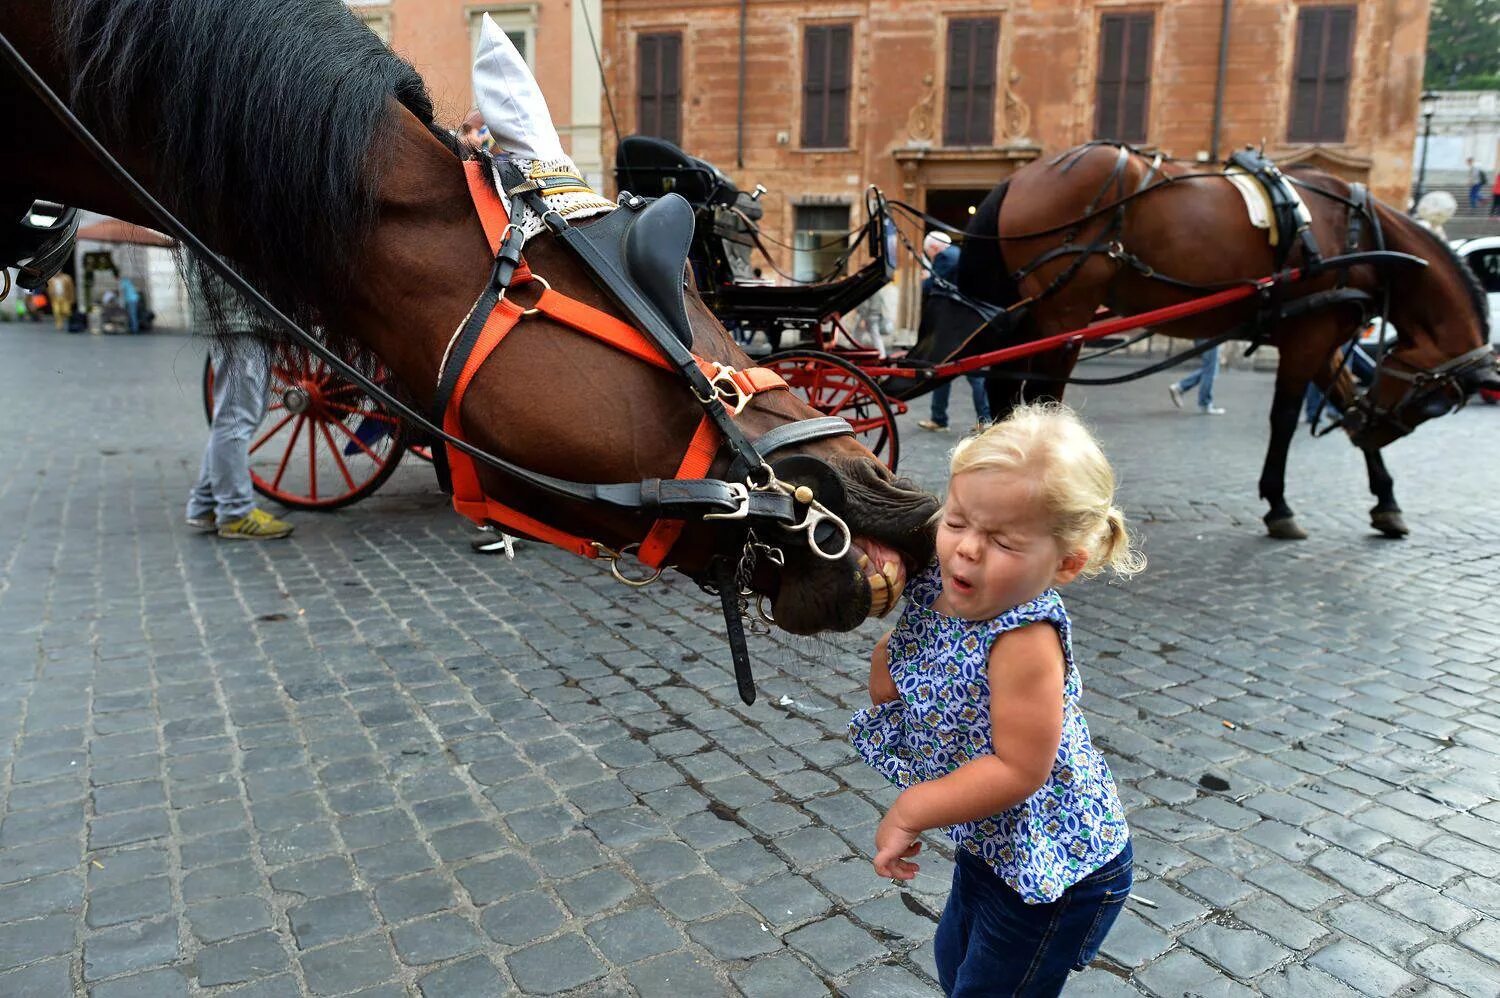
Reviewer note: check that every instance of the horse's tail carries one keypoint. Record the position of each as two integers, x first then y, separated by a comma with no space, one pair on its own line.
982,272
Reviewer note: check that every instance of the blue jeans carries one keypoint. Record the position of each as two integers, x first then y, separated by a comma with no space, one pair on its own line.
1203,378
241,376
991,943
981,400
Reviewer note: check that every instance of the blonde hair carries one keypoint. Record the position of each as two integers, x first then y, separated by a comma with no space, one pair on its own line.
1072,477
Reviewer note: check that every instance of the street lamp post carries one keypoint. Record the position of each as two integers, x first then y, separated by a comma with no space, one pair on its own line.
1429,105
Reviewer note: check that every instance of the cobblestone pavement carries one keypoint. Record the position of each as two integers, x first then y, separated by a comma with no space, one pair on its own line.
367,760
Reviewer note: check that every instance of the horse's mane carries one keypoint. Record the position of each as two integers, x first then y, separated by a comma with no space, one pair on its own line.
1470,280
982,272
261,122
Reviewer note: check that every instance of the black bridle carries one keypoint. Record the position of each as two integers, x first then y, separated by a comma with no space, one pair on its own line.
759,500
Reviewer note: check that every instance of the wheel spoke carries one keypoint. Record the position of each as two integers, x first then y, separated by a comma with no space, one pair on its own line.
338,458
312,459
360,443
367,413
271,432
281,468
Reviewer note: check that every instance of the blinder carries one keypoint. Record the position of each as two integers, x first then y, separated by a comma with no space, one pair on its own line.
37,249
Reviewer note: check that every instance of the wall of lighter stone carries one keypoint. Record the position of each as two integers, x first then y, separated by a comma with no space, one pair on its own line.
1465,124
434,35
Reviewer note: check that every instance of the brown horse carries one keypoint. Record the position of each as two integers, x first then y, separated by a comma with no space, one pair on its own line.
293,142
1106,225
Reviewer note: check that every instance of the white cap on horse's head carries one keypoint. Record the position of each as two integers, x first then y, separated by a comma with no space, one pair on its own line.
935,243
510,100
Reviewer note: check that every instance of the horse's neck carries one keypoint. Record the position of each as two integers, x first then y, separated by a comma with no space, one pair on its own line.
424,264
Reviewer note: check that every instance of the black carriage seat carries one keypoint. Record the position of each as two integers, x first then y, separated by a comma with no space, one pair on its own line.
651,167
644,250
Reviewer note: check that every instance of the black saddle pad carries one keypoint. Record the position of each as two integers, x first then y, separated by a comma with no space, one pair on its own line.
642,254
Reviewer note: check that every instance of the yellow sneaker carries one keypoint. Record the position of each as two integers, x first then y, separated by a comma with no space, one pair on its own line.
256,525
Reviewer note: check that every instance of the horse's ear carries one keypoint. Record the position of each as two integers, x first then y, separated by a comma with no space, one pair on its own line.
510,100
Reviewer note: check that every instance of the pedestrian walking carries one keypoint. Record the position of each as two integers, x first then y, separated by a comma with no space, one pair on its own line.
130,297
975,712
1476,182
1495,195
1203,379
943,256
222,500
61,290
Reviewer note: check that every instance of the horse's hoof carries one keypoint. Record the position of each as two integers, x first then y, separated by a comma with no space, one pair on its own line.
1285,529
1388,522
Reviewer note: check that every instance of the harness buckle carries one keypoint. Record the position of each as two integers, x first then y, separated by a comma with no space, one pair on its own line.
727,390
741,495
613,557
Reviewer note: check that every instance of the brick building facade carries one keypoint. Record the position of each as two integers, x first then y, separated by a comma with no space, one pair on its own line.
937,100
438,37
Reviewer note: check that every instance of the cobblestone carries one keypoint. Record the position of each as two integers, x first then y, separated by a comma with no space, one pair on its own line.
324,766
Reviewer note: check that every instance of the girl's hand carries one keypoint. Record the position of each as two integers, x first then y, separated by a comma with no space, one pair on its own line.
894,847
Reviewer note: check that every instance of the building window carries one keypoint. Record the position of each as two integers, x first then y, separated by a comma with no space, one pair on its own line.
827,49
659,86
518,23
969,114
1123,92
820,241
1320,81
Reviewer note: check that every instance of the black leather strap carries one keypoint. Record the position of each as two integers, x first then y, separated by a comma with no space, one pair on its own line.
734,627
506,262
790,434
642,312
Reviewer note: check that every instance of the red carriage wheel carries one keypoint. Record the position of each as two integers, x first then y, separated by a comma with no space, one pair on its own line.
835,387
323,442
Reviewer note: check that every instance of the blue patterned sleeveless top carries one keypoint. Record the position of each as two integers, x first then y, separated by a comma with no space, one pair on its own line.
1062,833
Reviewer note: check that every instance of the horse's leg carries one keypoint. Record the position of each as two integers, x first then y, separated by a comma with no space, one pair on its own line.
1051,371
1386,515
1285,408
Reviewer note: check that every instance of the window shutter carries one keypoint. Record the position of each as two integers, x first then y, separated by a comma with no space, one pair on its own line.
1137,83
827,50
1111,76
814,87
1333,97
649,119
1321,72
840,46
969,116
670,113
659,90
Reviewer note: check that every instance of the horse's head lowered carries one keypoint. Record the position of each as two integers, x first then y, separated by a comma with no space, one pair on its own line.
1442,352
288,137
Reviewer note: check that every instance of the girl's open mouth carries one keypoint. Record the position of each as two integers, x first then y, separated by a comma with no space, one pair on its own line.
962,585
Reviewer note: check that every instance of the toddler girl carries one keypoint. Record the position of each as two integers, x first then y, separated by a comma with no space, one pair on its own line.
975,712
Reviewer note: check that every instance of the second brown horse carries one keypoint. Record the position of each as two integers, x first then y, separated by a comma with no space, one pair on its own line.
1048,244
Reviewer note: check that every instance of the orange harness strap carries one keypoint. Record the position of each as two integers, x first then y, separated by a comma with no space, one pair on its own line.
469,498
491,214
